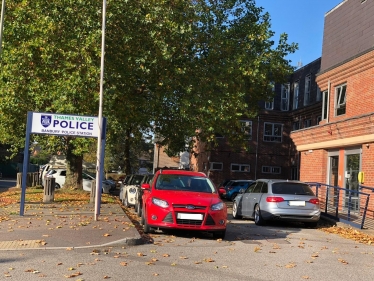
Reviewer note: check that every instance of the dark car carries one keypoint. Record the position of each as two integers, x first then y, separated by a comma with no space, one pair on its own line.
234,186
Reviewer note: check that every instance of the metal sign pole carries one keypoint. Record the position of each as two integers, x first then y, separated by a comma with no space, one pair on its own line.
25,163
99,163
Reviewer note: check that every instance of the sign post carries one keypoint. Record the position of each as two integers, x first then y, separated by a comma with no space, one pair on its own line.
63,125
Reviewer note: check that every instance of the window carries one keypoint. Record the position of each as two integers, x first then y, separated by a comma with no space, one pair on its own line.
319,94
285,96
295,125
269,105
273,132
271,169
319,118
295,95
307,89
216,166
307,123
246,128
325,103
240,167
340,99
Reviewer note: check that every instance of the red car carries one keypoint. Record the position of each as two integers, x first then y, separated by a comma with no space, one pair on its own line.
179,199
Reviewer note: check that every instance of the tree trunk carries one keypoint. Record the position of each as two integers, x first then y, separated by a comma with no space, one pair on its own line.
126,152
73,168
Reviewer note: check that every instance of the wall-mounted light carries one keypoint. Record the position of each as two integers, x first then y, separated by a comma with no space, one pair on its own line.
367,145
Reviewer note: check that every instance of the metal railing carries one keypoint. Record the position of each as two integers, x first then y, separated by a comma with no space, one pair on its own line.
346,205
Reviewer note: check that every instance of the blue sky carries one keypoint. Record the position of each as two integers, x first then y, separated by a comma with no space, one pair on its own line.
303,21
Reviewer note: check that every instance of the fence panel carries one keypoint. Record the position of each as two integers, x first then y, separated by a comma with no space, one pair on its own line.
346,205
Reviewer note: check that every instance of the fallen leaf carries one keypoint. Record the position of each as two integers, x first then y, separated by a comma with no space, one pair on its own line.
343,261
290,265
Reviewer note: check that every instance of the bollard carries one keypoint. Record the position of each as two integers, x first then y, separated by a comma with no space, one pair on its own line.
19,180
49,190
93,191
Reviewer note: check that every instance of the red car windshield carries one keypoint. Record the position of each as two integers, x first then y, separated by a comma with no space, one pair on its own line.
184,183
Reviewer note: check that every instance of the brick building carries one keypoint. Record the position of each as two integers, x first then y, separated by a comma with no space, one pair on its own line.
342,145
296,105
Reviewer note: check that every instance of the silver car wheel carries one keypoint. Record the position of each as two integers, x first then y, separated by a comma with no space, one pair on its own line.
235,210
258,218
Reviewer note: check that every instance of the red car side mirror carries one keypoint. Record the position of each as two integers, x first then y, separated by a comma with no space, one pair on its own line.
145,186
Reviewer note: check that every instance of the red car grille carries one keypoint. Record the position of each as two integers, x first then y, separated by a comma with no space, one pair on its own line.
187,206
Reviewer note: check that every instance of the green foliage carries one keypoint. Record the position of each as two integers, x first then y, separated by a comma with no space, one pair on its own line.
171,67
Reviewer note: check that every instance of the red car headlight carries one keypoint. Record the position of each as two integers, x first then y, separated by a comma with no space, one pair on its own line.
217,207
160,203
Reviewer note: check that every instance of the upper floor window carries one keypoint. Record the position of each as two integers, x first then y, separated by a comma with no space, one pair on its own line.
319,94
271,169
246,128
273,132
239,167
285,97
295,95
325,104
269,105
308,81
307,123
295,125
340,99
217,166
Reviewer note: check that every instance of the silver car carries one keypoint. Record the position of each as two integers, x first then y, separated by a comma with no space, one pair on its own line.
275,199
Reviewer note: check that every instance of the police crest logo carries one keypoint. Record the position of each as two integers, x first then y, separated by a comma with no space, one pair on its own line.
46,120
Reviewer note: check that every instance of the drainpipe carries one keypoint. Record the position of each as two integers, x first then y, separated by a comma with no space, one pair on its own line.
258,129
328,101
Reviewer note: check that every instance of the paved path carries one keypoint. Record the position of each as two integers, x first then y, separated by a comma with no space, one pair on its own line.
61,226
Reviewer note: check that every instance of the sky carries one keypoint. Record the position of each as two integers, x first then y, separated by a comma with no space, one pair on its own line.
303,21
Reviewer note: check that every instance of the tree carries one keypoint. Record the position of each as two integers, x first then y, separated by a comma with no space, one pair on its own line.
171,67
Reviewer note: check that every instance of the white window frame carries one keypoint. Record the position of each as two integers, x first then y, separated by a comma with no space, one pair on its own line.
296,88
285,97
269,105
246,128
340,100
241,168
325,105
212,164
271,169
273,136
308,85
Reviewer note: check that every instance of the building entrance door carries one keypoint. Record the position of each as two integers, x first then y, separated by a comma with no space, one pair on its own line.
334,177
352,167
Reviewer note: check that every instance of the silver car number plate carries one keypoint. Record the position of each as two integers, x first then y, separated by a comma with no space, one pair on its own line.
296,203
186,216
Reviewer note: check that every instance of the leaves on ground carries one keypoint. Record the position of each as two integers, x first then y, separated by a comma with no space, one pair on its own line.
350,233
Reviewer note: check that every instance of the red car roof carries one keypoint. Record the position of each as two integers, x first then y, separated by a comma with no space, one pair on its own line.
181,172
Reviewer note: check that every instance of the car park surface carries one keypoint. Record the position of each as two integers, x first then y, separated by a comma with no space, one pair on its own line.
285,200
179,199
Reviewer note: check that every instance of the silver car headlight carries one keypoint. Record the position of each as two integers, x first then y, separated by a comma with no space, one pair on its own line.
217,207
160,203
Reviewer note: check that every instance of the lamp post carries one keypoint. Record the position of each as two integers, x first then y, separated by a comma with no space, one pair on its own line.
99,139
